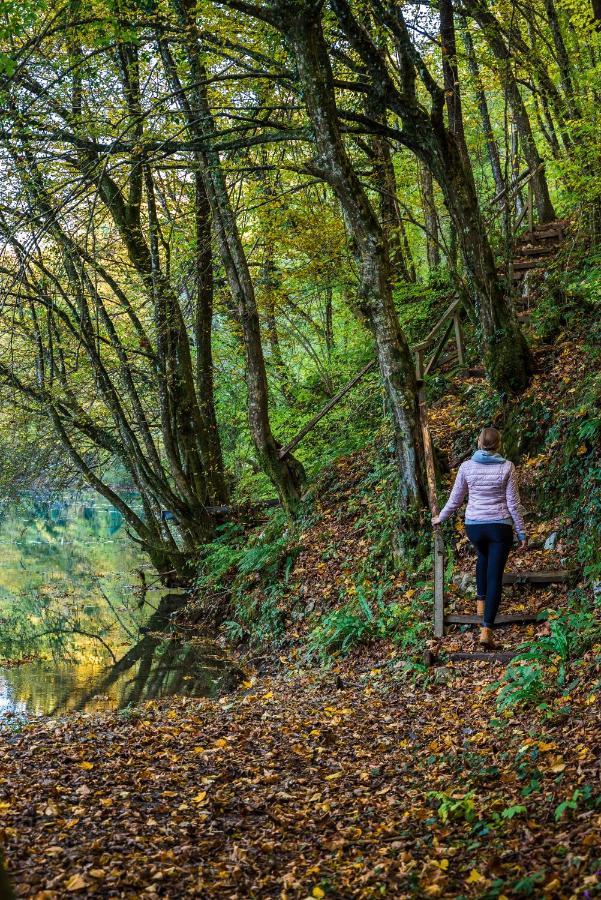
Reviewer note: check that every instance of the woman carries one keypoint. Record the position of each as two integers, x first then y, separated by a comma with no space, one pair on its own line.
493,506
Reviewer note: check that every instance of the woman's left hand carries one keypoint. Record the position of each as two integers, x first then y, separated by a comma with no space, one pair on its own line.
436,520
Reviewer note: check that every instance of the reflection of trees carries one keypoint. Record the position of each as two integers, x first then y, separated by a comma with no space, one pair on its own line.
62,575
157,667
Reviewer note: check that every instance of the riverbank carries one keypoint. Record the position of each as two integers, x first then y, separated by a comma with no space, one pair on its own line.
315,784
373,776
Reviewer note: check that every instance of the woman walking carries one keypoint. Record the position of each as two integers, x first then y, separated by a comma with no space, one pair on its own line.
493,507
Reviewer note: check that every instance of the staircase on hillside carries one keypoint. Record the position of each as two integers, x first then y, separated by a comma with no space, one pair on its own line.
526,584
534,250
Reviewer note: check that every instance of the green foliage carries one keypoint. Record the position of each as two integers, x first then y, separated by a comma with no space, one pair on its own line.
543,664
454,808
529,884
252,569
570,804
522,684
343,629
366,617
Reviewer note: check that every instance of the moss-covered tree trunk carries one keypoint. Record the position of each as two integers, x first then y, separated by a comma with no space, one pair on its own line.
304,33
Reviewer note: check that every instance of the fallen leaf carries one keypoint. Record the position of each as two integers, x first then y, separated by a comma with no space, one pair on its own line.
76,883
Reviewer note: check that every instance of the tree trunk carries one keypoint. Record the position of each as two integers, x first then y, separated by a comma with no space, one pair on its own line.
506,356
430,217
203,322
287,475
506,353
305,36
385,183
494,37
491,144
450,73
563,60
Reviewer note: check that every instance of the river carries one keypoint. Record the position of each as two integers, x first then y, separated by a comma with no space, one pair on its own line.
74,616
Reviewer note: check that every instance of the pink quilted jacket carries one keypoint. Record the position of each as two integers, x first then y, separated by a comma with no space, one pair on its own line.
492,494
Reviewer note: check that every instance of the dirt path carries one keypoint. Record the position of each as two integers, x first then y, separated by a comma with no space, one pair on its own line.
295,788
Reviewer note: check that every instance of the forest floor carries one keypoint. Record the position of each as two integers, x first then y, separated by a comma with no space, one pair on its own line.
310,784
369,778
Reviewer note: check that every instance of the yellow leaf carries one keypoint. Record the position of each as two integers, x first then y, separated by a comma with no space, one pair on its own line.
268,695
474,877
200,798
553,885
543,747
75,883
318,892
557,768
432,890
97,873
86,765
4,805
220,742
198,750
582,449
334,776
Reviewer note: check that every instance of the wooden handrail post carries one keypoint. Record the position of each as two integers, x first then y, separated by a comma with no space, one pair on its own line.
459,339
419,363
439,347
530,206
438,541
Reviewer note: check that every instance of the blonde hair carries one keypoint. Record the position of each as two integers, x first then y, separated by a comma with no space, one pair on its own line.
490,439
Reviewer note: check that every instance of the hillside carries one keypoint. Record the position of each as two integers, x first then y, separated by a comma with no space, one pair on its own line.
381,776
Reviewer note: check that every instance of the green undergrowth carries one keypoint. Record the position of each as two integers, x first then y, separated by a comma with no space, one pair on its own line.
550,668
243,574
247,575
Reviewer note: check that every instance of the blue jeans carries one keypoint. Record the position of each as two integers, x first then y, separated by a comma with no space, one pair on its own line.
492,543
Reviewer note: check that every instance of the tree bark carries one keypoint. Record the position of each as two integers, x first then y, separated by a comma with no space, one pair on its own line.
287,475
491,144
303,31
563,59
494,37
203,322
450,74
430,217
385,183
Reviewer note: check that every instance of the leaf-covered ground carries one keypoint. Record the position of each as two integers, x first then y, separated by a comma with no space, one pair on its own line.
348,785
369,779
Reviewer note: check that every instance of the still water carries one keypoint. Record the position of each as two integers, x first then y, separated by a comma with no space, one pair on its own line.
72,606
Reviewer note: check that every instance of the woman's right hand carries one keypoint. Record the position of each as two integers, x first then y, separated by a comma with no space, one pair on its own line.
523,545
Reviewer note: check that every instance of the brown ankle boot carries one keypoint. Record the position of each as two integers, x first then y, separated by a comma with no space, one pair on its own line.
485,638
480,608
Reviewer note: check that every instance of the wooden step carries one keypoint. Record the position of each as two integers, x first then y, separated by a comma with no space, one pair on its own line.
546,576
526,264
535,251
550,576
512,619
432,659
547,234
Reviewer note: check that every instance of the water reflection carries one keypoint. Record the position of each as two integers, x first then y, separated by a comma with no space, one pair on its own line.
153,668
70,600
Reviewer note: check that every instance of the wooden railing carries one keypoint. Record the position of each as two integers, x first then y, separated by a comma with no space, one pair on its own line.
447,326
449,323
510,192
